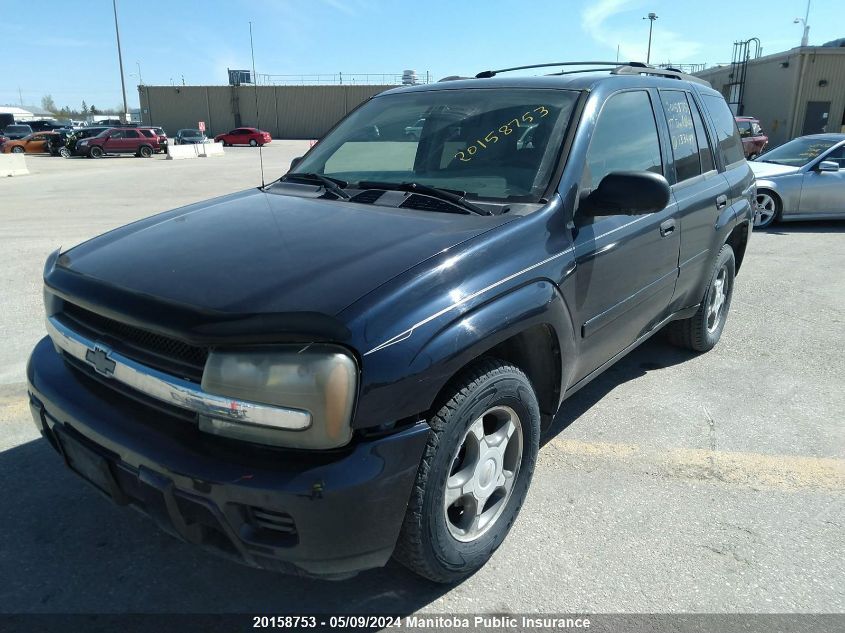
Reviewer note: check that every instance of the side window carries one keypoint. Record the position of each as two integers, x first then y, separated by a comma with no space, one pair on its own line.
682,134
116,134
837,156
704,151
744,128
624,139
131,134
147,133
727,134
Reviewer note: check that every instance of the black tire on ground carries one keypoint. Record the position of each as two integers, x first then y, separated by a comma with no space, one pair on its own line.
253,142
768,204
703,330
426,545
17,149
95,152
64,152
145,151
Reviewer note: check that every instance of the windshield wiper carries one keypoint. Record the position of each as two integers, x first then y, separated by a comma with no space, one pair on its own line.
456,198
334,185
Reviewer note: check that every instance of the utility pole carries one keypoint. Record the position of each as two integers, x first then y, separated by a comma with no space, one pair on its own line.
651,17
140,80
120,62
805,39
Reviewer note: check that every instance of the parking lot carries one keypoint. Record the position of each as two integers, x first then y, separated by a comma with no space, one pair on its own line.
672,483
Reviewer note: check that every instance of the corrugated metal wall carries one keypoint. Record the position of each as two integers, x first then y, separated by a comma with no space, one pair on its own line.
776,93
302,112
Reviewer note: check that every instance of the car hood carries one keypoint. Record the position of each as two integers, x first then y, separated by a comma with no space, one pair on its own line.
769,170
255,252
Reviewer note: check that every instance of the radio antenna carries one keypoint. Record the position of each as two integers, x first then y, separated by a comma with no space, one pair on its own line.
257,116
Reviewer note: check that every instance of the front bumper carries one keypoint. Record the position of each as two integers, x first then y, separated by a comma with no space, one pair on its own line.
320,513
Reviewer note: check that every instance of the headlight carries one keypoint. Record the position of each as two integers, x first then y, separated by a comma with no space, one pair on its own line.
318,379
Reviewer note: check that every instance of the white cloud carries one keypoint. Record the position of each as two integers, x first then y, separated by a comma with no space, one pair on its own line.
617,23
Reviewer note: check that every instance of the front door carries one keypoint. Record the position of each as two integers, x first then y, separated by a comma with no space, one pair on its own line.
824,191
626,266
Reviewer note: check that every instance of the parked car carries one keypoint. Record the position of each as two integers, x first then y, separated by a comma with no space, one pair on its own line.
244,136
190,136
121,140
358,359
44,125
160,134
3,139
754,140
16,131
803,179
37,143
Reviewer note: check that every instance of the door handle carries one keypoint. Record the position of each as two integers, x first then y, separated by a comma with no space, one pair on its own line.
721,202
667,227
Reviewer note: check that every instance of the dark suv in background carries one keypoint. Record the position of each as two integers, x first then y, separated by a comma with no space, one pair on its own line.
357,360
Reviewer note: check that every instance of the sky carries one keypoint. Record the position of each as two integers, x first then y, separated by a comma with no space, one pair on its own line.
66,48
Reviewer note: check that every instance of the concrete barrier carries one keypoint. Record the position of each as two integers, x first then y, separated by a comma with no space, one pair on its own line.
179,152
211,149
13,165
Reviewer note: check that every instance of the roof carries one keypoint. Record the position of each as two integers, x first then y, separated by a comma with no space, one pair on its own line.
828,136
38,111
14,110
581,81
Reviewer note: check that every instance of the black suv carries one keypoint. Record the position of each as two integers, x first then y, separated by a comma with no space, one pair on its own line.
358,359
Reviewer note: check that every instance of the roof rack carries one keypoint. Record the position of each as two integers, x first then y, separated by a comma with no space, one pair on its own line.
615,68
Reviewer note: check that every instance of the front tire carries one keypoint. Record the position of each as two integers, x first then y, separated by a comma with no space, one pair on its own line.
703,330
767,210
17,149
253,143
64,152
474,474
95,152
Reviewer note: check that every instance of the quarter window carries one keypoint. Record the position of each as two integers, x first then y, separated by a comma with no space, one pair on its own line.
624,139
682,134
730,145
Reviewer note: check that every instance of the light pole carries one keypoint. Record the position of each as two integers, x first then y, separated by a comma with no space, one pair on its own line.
120,62
651,17
805,39
140,80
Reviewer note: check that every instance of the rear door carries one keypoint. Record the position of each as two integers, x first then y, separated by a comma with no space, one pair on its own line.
132,141
700,192
626,266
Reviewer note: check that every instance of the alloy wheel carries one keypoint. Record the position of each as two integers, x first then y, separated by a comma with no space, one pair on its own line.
483,472
764,213
718,299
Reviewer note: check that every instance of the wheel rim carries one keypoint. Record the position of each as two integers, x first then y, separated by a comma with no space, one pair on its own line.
482,473
17,150
253,142
765,211
718,299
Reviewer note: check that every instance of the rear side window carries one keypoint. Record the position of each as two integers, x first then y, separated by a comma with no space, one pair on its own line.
624,139
730,145
682,134
147,133
704,151
131,134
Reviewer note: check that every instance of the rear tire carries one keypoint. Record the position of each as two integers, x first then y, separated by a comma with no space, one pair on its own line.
484,442
145,151
95,152
703,330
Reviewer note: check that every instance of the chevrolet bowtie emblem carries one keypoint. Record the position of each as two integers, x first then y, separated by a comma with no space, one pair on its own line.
100,361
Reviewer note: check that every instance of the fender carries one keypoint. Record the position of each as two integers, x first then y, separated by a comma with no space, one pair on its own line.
393,391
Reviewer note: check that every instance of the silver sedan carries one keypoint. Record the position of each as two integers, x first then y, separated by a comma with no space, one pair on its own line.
801,180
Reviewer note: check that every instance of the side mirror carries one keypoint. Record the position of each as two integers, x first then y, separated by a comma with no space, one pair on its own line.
828,165
627,193
295,162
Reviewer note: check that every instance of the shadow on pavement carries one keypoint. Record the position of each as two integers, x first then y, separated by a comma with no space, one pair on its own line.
65,549
654,354
788,228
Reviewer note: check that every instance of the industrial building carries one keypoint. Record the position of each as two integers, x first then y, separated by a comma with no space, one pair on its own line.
293,112
797,92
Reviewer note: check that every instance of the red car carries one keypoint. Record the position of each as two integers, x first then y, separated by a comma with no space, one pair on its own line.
244,136
118,140
754,140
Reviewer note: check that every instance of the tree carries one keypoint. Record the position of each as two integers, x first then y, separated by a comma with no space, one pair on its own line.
48,104
93,109
84,107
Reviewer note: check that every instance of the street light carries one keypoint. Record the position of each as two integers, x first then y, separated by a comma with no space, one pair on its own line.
805,39
651,17
120,62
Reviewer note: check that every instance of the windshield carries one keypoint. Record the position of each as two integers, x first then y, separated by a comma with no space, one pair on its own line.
191,133
492,144
797,153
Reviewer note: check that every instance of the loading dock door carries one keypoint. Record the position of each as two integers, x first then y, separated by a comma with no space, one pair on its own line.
817,117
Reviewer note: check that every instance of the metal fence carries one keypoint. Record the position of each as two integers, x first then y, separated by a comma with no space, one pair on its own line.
341,79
